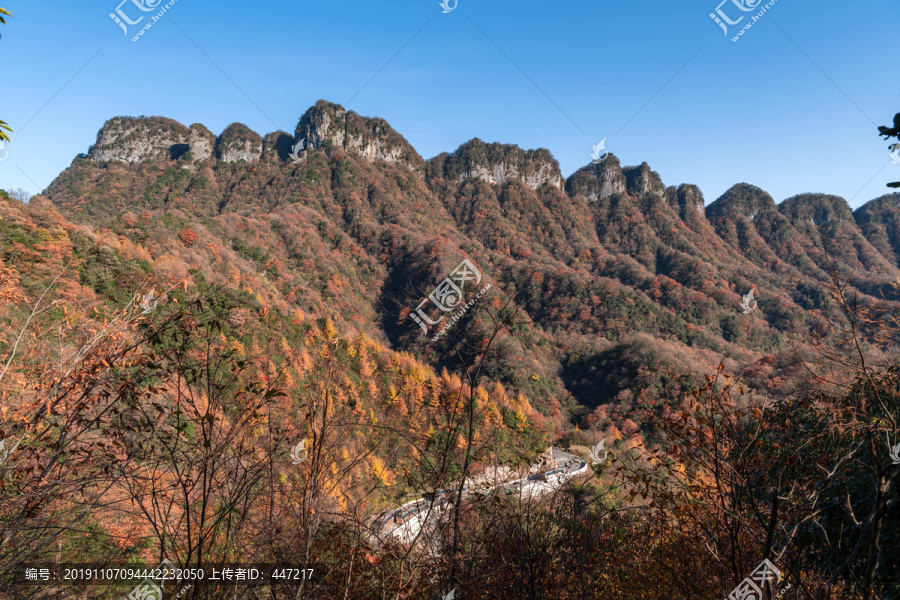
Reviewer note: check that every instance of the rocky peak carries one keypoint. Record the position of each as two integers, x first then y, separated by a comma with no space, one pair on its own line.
498,163
147,139
239,142
817,209
278,145
140,139
689,196
739,200
687,199
597,180
329,126
202,142
642,181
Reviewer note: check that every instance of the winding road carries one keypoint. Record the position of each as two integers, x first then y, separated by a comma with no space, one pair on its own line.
407,522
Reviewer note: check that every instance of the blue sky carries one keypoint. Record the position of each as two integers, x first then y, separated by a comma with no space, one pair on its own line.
791,107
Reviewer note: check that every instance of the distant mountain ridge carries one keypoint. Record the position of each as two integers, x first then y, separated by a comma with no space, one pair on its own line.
364,227
329,126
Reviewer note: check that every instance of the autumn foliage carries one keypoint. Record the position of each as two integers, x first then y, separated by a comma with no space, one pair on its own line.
208,361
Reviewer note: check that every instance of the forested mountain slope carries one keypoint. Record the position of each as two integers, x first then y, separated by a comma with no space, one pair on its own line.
609,263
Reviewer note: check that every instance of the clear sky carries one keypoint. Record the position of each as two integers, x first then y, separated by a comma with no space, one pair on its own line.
792,107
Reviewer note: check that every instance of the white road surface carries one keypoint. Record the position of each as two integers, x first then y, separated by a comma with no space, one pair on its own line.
420,512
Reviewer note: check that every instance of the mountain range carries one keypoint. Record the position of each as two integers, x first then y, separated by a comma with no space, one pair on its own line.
629,290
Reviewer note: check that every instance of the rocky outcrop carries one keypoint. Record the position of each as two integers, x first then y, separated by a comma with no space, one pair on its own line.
202,142
688,201
278,146
140,139
149,139
735,216
817,209
498,164
330,127
239,142
642,181
741,199
597,180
